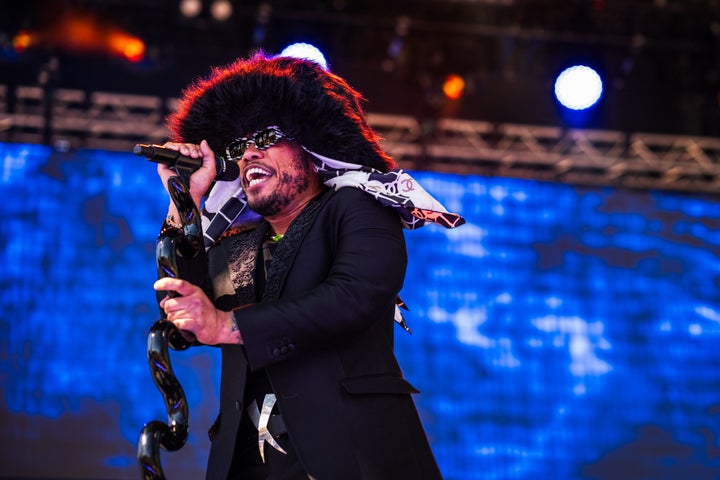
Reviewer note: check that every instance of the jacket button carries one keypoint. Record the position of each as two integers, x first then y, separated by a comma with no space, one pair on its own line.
238,405
284,350
276,352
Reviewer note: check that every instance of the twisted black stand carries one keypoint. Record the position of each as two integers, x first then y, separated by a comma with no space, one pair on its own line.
179,254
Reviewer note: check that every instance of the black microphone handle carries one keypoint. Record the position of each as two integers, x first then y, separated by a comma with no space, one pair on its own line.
226,171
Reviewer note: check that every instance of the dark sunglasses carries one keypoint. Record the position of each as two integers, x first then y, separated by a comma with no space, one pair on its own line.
262,139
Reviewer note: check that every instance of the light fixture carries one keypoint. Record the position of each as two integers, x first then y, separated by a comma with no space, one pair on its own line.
190,8
221,10
453,86
305,51
578,87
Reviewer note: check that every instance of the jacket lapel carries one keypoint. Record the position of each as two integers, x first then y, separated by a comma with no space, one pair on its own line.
288,247
242,251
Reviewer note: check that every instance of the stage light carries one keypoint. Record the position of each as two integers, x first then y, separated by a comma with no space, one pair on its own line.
190,8
132,48
82,34
22,41
305,51
262,18
221,10
402,27
454,86
578,87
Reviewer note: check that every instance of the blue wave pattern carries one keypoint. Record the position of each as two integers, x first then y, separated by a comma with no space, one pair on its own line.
568,333
78,254
562,333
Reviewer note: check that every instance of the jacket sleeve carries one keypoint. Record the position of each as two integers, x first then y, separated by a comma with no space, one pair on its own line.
352,278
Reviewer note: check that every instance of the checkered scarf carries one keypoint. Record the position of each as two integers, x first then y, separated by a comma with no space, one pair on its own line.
226,206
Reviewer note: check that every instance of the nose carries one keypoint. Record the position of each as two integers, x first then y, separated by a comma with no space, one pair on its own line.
252,152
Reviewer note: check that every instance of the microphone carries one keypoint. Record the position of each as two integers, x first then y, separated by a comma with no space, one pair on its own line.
226,171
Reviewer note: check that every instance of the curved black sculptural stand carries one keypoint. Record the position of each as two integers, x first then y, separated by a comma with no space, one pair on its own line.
179,254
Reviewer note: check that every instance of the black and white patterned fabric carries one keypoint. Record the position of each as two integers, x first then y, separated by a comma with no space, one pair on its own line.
226,206
395,188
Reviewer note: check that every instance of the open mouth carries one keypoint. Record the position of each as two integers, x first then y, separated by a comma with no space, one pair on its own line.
256,175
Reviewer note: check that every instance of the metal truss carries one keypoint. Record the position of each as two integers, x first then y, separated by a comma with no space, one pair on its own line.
69,119
585,157
75,119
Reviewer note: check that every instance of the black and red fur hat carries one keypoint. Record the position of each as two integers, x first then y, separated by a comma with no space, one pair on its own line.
318,109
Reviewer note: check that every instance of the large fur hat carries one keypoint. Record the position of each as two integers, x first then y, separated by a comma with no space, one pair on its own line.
315,107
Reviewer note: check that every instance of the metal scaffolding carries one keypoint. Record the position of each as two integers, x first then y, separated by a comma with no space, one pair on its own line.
70,119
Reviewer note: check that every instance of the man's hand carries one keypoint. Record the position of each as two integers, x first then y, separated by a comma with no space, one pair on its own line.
200,180
193,311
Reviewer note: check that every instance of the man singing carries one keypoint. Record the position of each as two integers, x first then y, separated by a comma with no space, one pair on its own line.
306,257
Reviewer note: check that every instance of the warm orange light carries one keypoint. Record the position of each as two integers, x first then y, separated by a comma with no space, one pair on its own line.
79,33
132,48
83,33
22,41
454,86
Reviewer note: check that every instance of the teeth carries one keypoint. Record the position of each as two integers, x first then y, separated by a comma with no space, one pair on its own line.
255,175
255,181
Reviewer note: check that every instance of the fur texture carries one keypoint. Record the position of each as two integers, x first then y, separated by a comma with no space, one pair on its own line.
315,107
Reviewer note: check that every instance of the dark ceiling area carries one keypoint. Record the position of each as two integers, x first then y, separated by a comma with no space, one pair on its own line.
660,58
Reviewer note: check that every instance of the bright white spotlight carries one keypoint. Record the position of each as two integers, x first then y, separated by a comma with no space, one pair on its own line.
305,51
578,87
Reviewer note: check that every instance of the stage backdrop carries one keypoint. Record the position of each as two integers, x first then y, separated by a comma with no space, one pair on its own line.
563,333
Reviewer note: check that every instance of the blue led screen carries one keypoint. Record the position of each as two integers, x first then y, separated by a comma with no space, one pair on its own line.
562,333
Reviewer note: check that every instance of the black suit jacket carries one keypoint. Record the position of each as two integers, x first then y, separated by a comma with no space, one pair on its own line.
323,332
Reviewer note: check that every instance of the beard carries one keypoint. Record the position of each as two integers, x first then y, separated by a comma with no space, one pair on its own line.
291,184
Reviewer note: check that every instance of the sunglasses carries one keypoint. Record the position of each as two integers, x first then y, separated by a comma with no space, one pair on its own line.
262,139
